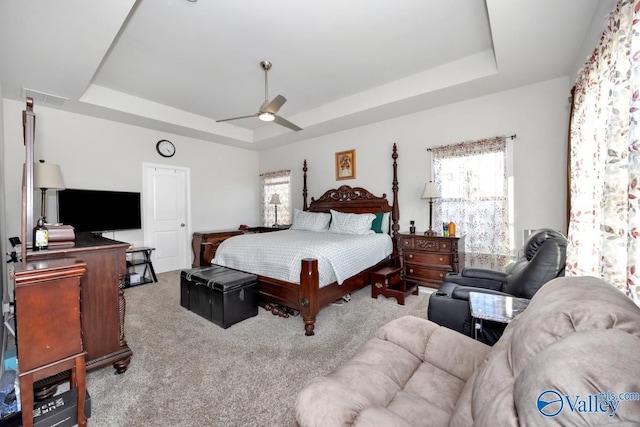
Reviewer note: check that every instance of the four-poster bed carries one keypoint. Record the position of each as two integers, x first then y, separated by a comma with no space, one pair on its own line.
308,296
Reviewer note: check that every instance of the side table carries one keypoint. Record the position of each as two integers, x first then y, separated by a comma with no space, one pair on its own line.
495,308
148,274
428,259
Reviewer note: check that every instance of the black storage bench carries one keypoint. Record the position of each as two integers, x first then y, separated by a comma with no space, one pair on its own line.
219,294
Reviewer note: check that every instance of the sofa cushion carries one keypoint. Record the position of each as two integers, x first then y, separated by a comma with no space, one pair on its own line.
388,379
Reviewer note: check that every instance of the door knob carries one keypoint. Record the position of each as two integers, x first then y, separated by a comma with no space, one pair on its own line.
182,225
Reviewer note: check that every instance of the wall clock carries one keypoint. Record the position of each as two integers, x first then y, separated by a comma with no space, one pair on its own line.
165,148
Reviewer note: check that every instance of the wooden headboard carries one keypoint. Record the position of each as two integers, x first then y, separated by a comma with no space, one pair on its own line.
357,199
350,200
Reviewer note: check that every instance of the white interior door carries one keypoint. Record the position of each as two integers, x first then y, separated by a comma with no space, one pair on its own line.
166,212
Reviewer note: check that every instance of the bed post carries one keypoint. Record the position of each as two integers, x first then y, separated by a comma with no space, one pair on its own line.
395,213
309,288
305,206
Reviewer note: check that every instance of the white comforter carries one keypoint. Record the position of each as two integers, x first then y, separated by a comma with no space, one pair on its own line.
279,254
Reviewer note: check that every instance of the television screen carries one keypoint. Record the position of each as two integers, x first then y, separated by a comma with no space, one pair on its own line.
99,210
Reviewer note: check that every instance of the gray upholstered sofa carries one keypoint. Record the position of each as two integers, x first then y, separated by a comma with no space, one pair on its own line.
573,350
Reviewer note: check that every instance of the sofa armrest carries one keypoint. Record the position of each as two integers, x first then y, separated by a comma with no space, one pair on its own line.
479,278
442,347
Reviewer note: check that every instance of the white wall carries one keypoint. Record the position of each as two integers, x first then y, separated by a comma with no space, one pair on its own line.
4,244
538,114
101,154
592,38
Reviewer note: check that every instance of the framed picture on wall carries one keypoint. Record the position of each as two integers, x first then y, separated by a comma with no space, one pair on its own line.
345,165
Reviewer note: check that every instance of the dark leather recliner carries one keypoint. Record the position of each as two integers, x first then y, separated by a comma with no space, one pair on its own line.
543,258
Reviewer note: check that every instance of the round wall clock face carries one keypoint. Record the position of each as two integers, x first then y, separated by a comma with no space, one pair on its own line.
165,148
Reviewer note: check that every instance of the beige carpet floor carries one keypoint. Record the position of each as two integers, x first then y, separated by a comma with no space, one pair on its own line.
187,371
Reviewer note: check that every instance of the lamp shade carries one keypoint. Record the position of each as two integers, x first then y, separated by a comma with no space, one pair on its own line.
48,176
275,199
430,191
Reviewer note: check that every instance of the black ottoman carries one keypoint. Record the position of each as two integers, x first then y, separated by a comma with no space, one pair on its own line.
219,294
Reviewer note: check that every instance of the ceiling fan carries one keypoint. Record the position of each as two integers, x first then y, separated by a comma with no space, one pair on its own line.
268,109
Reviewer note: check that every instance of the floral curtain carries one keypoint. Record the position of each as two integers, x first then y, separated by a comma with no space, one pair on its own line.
472,180
604,223
278,182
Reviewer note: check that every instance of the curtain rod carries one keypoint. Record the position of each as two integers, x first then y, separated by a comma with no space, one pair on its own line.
514,136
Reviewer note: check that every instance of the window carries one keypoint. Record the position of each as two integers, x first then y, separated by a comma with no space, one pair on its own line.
278,182
472,178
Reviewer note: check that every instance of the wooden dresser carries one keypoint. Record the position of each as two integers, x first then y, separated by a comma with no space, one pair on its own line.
48,328
103,303
427,259
213,237
217,237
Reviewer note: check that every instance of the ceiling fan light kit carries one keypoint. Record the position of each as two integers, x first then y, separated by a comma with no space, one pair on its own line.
268,109
266,117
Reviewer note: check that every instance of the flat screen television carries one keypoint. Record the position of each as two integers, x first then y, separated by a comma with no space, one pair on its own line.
99,210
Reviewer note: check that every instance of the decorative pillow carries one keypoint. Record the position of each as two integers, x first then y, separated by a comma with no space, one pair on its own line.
349,223
310,221
381,223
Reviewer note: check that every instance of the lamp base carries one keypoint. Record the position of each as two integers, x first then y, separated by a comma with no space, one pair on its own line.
429,232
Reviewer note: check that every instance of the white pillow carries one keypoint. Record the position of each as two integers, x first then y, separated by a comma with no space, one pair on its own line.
310,221
349,223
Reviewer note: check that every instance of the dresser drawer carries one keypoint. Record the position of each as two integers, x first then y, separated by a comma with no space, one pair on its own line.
427,258
421,273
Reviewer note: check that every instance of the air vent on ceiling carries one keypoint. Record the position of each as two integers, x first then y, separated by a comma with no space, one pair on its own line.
38,96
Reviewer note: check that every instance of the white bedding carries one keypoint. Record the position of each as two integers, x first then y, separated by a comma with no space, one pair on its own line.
279,254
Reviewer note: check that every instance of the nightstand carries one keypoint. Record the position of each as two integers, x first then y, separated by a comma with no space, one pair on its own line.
426,260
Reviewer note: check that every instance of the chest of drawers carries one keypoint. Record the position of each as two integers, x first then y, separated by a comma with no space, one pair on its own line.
213,237
427,259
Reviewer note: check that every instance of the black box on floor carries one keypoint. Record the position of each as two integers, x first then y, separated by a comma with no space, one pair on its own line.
219,294
56,411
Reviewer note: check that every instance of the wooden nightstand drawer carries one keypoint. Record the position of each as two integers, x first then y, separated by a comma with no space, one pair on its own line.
427,258
406,242
426,274
445,246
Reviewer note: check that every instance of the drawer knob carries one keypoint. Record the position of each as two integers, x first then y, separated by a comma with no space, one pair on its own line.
410,256
411,271
441,275
406,242
441,259
444,245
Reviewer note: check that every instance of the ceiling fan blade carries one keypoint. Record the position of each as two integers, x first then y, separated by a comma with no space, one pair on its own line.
275,104
236,118
286,123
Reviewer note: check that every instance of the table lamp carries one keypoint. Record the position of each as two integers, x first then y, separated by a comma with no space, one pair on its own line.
430,192
46,176
275,200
